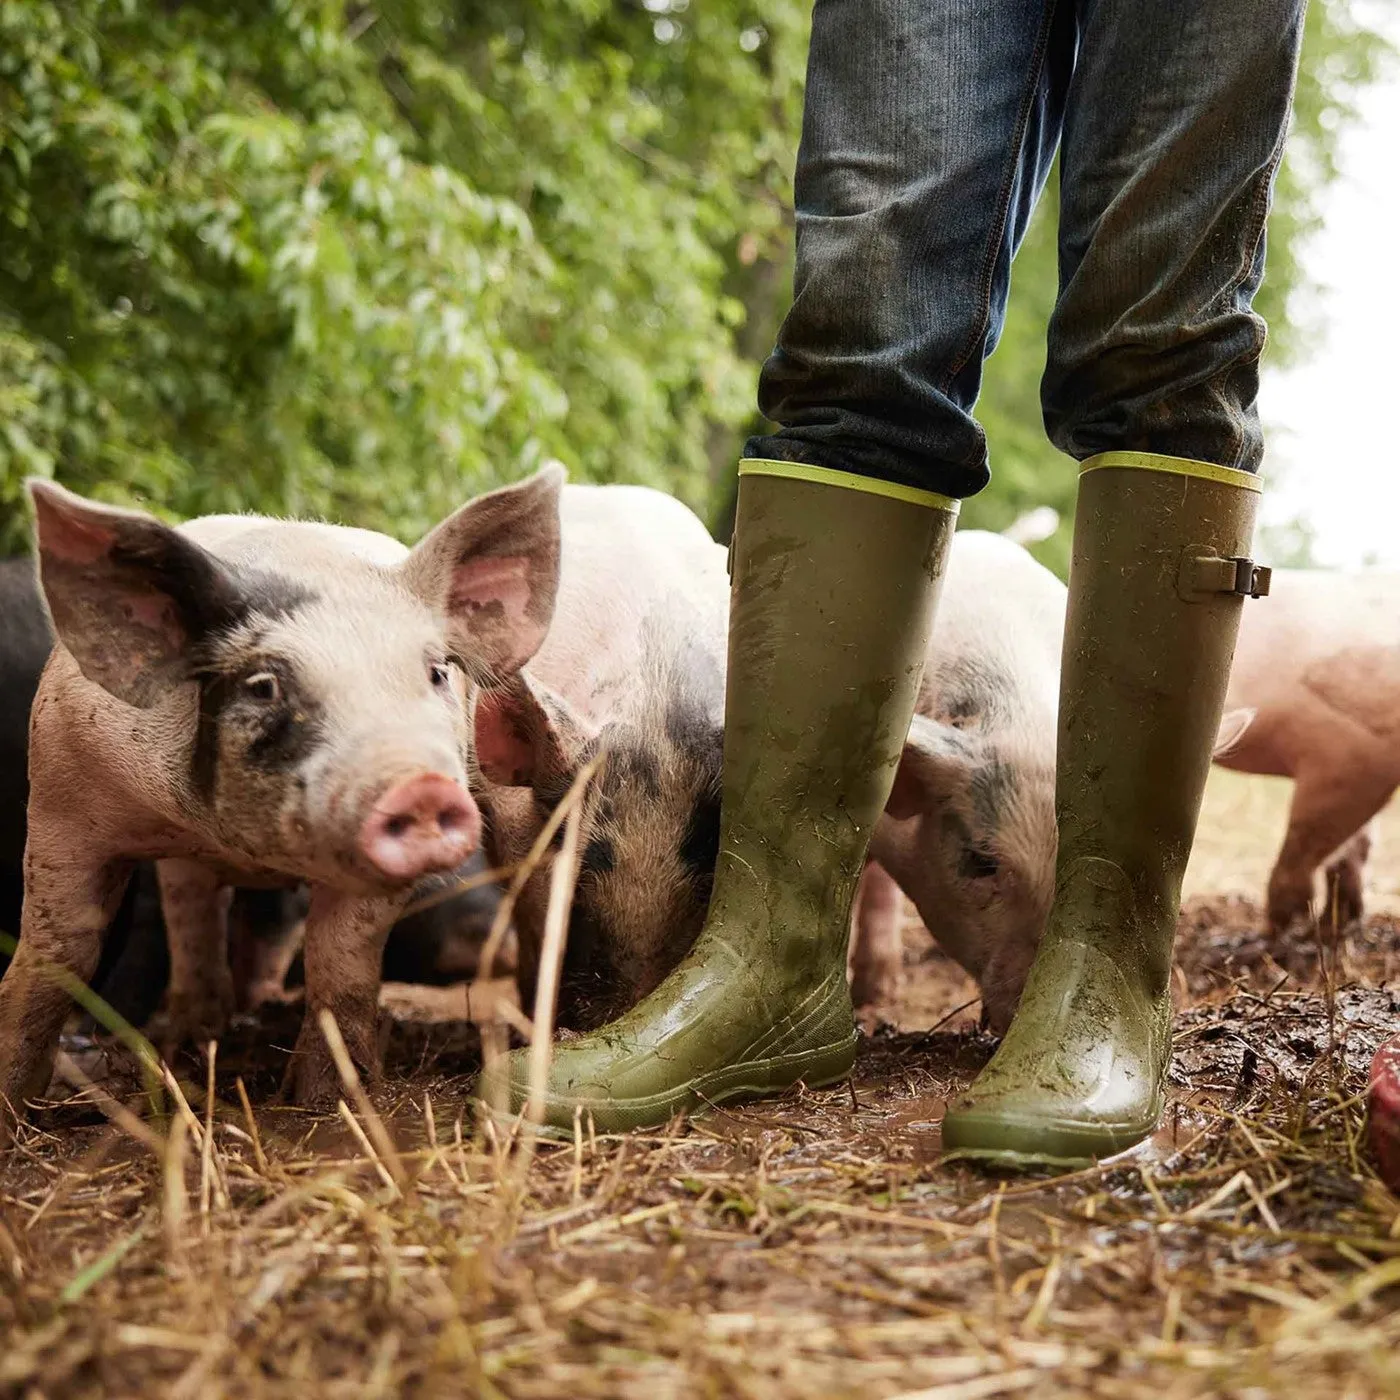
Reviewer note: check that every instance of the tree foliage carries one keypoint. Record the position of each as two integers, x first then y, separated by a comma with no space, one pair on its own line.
365,260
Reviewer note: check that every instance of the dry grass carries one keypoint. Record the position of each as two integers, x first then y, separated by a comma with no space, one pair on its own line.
811,1246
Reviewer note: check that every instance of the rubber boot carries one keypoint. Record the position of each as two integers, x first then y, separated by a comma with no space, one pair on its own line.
834,583
1157,581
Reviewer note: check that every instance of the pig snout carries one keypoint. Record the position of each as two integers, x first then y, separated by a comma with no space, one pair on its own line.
423,824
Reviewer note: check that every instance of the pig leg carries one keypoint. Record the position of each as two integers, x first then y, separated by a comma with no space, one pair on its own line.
195,903
1346,879
1328,807
344,952
269,961
264,940
67,907
877,949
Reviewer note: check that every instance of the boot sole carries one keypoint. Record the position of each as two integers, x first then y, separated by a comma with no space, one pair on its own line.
749,1079
1067,1145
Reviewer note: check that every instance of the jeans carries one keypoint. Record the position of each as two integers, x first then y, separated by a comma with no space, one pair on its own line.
929,130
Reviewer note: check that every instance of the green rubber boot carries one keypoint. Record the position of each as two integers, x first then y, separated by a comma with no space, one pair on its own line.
835,578
1155,591
1156,585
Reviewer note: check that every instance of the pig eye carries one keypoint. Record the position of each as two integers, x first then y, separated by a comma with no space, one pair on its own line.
263,686
440,674
978,865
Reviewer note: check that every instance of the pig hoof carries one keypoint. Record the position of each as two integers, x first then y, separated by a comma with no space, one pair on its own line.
314,1083
316,1093
1287,910
196,1018
1345,905
871,1021
89,1055
273,994
1337,917
868,993
318,1089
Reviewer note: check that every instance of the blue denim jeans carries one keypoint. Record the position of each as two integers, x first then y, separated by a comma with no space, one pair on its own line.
930,128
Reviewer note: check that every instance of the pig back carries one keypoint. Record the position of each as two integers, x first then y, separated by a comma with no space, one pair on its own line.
1312,618
997,636
1319,663
641,585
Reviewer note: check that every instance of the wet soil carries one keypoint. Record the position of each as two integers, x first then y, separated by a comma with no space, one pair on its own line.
814,1244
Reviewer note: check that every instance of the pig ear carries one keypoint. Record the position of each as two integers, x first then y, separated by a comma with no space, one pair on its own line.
129,596
526,735
935,759
493,568
1233,726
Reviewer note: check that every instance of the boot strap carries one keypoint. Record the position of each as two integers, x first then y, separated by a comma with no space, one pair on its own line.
1202,575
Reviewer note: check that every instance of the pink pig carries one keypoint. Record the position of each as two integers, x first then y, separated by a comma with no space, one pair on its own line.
1315,696
249,701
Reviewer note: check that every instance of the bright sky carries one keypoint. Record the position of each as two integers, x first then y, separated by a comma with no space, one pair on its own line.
1334,419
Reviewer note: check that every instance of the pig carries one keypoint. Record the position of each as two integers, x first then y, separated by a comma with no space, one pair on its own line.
441,942
25,644
437,941
254,701
969,830
438,944
634,668
1315,696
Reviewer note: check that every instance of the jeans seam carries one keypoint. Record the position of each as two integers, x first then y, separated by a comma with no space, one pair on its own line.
994,244
1259,214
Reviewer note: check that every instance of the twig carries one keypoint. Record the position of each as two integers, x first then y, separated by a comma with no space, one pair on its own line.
562,878
122,1116
175,1197
378,1162
182,1105
501,923
350,1078
459,885
206,1152
258,1154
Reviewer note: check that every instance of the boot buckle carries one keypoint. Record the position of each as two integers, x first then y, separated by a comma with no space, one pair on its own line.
1252,580
1205,574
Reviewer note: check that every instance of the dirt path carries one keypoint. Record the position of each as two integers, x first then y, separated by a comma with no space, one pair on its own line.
810,1246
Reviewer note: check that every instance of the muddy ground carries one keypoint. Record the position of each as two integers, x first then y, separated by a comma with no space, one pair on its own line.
810,1246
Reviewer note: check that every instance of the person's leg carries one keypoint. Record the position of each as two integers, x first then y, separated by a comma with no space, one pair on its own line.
928,132
928,128
1172,133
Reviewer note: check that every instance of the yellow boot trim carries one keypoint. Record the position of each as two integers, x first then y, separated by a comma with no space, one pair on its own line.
849,481
1177,466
